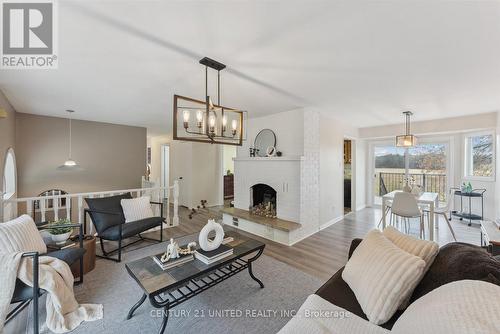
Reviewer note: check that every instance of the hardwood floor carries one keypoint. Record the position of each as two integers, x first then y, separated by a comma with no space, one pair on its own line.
323,253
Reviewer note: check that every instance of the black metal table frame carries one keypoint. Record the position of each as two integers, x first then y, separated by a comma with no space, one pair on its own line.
165,299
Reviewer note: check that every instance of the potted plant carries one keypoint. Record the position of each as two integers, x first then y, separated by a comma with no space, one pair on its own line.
59,232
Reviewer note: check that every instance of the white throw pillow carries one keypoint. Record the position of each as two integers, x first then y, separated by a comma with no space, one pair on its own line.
461,307
381,275
425,249
136,208
21,235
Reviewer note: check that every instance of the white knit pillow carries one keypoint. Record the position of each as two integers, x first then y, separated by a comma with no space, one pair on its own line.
424,249
21,235
136,208
381,275
460,307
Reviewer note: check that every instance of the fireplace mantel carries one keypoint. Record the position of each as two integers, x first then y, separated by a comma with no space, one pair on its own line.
284,158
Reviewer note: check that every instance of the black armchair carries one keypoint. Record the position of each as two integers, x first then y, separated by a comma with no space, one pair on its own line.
24,294
108,219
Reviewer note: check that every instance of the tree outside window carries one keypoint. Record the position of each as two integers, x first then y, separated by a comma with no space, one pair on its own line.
480,155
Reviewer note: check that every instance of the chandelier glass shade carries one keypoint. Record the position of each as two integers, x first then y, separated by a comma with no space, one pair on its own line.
70,164
406,140
204,121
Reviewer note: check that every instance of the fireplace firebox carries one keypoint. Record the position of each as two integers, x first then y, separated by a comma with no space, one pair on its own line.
263,200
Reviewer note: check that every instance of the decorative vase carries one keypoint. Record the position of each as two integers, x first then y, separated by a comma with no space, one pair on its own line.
60,239
209,245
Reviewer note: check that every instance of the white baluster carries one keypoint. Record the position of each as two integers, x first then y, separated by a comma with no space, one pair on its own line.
29,208
168,206
42,209
175,219
55,206
68,208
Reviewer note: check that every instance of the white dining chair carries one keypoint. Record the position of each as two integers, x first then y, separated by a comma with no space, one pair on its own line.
406,207
443,211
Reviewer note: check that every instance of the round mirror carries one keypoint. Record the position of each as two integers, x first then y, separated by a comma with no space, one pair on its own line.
263,140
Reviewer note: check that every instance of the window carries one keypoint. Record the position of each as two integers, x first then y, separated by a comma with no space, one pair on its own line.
479,156
9,175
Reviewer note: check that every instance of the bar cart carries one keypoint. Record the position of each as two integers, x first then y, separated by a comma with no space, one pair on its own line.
468,215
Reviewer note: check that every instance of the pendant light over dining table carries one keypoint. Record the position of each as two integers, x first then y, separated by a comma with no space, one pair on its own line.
406,140
204,121
70,164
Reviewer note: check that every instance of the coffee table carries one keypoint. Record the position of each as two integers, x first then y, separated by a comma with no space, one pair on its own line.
166,289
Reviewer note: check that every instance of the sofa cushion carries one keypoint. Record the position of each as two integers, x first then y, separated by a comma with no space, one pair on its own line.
382,276
460,307
111,204
136,208
425,249
318,316
131,229
458,261
21,235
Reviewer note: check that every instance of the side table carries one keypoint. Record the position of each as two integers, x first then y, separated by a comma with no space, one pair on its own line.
88,258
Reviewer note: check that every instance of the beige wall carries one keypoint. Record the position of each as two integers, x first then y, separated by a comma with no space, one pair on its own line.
7,132
112,156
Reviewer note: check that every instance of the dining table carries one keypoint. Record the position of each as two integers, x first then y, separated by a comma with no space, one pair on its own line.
428,199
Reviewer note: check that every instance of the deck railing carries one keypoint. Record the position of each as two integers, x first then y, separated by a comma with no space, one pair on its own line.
61,206
429,182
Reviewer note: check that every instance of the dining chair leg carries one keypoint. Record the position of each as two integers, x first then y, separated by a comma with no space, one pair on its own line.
449,225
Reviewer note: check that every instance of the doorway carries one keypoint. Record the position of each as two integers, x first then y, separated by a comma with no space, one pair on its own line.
347,176
165,169
228,153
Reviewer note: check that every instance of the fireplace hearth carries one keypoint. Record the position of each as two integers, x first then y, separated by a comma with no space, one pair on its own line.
263,200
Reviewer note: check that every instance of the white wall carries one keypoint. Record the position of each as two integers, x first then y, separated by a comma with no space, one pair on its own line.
229,152
331,179
288,127
198,164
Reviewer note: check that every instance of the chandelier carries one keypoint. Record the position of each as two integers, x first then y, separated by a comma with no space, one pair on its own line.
204,121
406,140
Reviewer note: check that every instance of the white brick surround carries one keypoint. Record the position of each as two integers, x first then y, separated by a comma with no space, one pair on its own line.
282,174
294,177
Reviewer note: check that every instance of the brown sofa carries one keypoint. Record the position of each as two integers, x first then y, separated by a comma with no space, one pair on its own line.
455,261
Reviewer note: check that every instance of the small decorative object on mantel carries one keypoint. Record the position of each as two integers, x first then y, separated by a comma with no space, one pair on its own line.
271,151
252,152
279,153
207,244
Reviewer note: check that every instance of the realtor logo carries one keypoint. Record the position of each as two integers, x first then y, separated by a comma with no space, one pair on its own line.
28,34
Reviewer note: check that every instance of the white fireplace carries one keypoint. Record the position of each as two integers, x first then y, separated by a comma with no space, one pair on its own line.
280,174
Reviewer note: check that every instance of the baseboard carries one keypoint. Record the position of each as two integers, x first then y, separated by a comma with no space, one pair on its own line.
331,222
361,207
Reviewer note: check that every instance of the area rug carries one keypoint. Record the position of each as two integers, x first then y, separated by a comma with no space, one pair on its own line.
237,305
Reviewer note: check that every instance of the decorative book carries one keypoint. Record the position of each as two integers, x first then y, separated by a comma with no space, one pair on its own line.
214,255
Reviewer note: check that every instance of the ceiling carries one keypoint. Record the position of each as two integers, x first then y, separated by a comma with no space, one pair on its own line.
363,62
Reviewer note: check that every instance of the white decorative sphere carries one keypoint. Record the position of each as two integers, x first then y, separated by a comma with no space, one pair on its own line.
209,245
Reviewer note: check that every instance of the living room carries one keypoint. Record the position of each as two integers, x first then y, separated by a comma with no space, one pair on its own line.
183,167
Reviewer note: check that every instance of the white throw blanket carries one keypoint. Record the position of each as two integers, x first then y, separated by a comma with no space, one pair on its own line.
63,311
